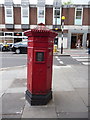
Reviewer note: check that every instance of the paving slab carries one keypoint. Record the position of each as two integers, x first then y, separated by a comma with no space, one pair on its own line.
88,86
89,115
7,116
73,115
83,93
9,76
12,104
0,106
81,71
69,102
19,83
16,90
77,78
39,111
89,99
60,82
79,83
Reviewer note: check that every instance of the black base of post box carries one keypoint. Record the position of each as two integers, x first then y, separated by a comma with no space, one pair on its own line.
38,99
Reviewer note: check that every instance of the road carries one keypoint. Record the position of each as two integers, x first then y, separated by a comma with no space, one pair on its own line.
9,59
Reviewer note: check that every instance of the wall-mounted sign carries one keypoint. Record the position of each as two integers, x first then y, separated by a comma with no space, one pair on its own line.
17,34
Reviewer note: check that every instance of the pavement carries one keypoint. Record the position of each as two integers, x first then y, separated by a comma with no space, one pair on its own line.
70,52
69,86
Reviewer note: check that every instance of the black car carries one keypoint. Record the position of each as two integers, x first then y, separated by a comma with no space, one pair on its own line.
20,47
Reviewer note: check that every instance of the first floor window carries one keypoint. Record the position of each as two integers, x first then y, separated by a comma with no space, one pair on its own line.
9,14
41,15
25,15
56,16
78,16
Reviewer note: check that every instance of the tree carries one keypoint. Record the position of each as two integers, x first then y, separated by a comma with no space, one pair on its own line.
67,3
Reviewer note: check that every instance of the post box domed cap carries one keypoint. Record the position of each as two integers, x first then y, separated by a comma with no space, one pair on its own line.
40,30
41,26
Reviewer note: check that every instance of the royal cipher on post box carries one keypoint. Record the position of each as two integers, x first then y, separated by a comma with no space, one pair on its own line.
39,64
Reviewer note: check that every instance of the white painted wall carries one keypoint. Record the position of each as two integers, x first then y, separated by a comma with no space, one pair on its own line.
64,42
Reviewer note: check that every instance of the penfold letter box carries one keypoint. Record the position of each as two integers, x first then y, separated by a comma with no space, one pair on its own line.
39,65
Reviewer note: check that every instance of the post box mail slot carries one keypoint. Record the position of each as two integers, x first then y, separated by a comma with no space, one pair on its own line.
39,56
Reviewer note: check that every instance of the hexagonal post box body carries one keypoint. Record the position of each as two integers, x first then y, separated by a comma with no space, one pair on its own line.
39,65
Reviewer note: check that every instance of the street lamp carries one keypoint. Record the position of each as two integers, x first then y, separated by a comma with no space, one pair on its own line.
63,18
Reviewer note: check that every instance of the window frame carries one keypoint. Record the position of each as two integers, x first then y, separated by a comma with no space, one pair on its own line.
22,17
78,16
42,16
55,8
8,17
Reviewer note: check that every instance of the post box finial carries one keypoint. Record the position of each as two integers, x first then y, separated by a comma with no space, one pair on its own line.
41,24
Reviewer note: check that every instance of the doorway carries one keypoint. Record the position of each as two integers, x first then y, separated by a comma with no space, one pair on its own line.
76,40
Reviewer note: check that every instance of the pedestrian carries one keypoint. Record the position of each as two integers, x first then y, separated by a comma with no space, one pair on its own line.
78,44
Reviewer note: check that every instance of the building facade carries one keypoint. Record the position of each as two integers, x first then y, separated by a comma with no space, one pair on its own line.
17,18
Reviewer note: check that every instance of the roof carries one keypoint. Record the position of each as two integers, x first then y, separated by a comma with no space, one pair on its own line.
50,2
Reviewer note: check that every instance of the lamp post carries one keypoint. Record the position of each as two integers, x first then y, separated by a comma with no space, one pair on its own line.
63,18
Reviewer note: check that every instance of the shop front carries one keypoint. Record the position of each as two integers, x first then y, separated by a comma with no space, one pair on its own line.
76,40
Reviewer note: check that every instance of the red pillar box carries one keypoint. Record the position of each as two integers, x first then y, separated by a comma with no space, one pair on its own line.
39,65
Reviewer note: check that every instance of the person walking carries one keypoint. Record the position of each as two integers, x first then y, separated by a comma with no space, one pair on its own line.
78,44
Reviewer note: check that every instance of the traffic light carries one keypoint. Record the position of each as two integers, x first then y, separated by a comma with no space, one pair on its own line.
56,41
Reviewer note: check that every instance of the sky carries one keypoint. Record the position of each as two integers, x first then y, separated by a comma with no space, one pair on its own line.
51,1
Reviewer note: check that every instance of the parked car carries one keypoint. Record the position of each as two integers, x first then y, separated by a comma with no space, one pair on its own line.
6,46
10,46
20,47
1,46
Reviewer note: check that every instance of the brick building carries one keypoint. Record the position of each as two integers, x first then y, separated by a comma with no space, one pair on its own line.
17,18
